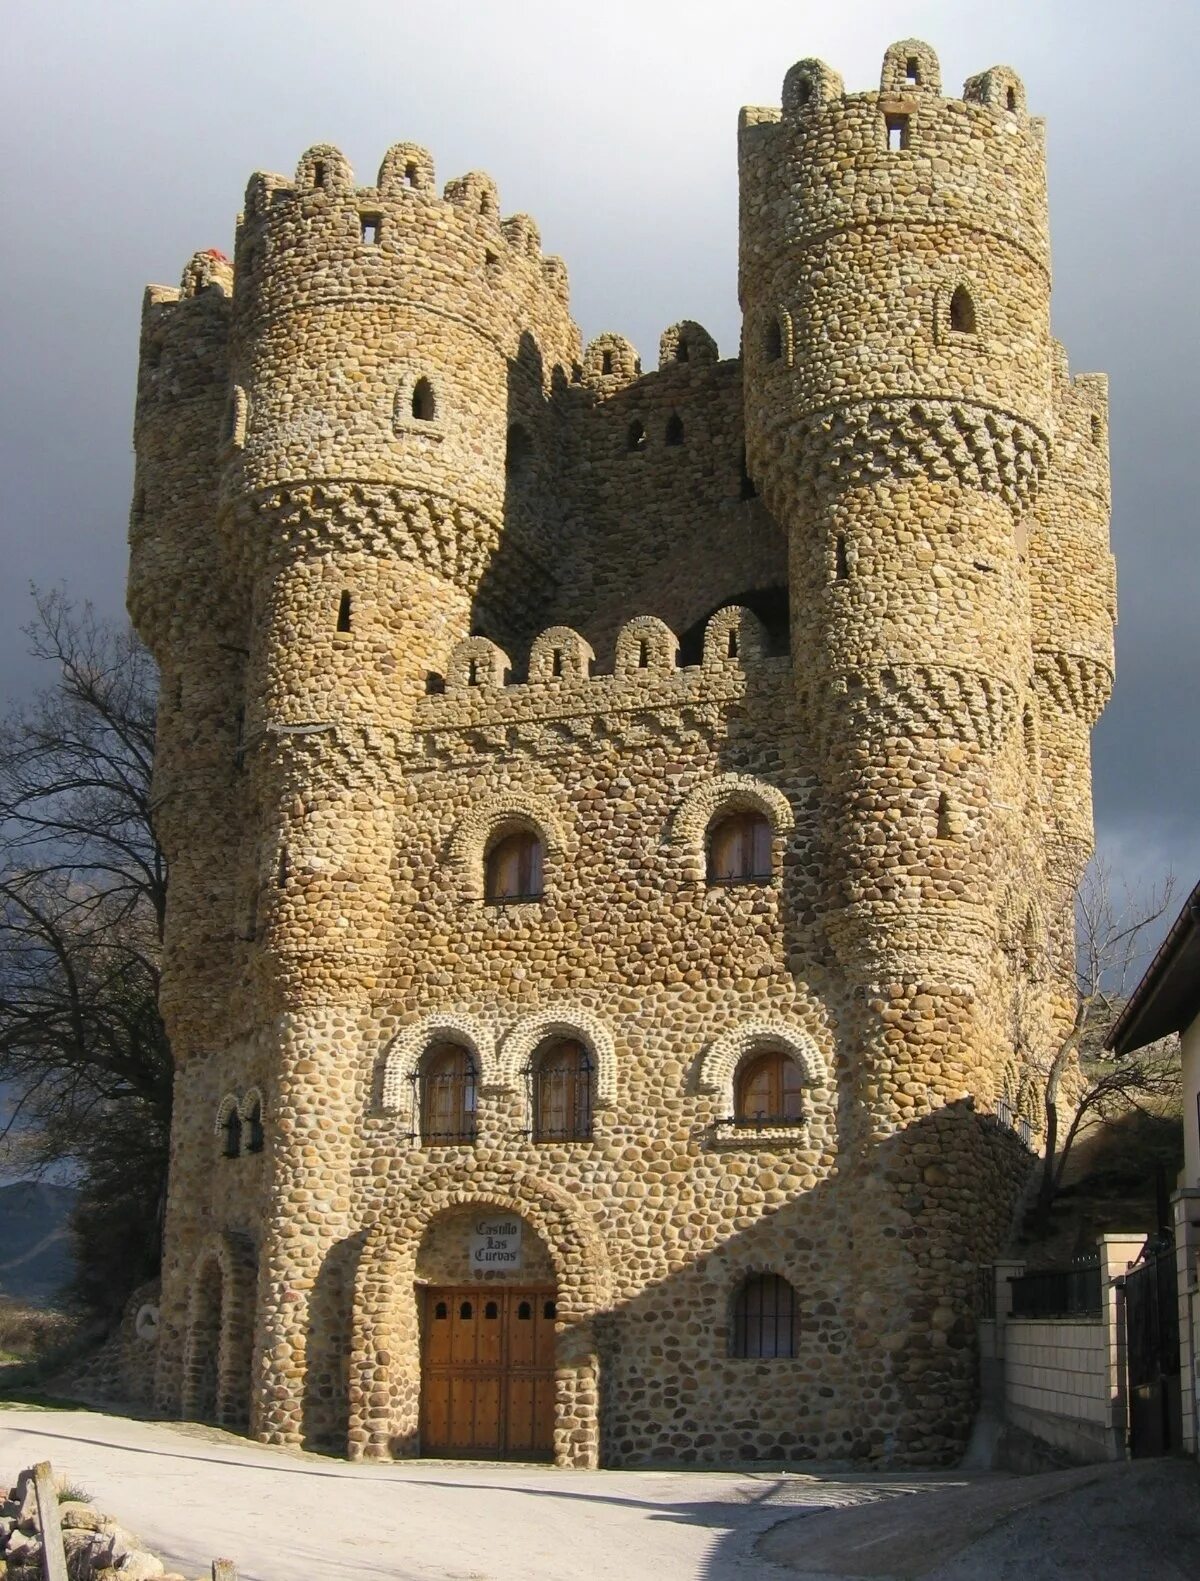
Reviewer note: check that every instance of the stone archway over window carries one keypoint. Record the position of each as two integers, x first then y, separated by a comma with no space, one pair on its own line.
220,1332
385,1363
402,1056
561,1021
489,817
726,793
720,1061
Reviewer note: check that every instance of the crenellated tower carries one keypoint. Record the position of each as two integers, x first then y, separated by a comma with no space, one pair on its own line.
905,413
339,421
899,390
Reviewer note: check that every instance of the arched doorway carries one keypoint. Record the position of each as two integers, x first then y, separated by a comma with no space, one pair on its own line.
473,1328
216,1374
202,1381
487,1307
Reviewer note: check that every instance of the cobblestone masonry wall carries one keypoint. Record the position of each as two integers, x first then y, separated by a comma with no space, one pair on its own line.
857,578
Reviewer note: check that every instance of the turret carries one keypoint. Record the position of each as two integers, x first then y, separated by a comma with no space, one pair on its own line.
185,603
1073,584
898,385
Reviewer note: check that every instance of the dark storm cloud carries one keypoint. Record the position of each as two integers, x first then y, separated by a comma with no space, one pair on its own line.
133,127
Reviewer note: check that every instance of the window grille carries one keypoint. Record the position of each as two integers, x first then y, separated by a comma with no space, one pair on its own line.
561,1077
447,1081
764,1317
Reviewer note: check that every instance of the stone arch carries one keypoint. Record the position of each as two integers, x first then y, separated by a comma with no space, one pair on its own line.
405,167
690,824
560,654
720,1060
228,1105
909,67
220,1331
686,342
251,1099
324,168
522,1040
385,1378
476,662
733,635
954,298
809,84
645,644
487,817
402,1056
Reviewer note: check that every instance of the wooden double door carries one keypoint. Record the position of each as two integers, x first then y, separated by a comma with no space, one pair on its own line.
487,1372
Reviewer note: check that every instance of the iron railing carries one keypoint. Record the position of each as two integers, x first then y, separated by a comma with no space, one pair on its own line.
1074,1291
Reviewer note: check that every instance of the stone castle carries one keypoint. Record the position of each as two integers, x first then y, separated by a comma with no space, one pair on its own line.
622,824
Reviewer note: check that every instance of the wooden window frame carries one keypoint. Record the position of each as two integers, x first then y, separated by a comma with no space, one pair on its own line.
578,1102
779,1067
462,1082
530,868
753,830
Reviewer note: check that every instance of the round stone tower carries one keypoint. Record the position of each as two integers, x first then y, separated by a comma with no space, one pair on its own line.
350,519
899,399
895,285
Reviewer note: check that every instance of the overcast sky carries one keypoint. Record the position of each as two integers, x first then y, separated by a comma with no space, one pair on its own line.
132,128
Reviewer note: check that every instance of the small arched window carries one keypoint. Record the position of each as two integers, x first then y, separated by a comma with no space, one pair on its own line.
515,868
768,1090
773,341
674,434
232,1130
424,406
517,451
635,439
1010,99
562,1092
682,354
254,1130
447,1080
739,848
343,614
764,1318
962,312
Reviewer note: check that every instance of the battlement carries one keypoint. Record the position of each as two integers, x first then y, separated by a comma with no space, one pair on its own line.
478,688
848,159
363,238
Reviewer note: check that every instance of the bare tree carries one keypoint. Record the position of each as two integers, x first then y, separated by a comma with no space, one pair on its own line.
83,887
1112,938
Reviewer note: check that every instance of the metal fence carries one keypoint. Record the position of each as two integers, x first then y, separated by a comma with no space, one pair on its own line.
1074,1291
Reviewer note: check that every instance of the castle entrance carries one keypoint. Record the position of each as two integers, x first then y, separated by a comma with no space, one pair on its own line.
487,1371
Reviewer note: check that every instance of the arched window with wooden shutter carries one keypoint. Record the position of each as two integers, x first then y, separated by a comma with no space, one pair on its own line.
739,847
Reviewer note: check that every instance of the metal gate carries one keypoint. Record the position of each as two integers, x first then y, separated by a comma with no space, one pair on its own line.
1152,1354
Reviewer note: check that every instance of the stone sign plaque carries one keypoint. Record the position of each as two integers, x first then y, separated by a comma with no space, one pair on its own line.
495,1245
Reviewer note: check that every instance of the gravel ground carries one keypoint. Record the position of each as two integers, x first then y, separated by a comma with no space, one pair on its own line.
193,1493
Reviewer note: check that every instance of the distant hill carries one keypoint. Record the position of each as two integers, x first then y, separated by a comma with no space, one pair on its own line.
35,1241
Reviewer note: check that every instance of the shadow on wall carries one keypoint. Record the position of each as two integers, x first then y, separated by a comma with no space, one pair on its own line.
883,1263
598,529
